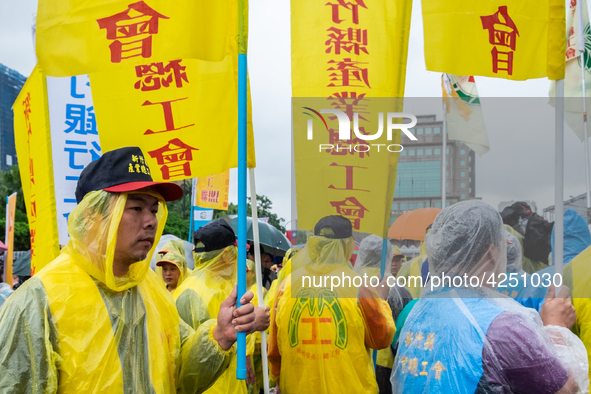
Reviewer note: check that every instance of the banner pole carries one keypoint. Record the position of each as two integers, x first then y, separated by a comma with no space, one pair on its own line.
444,146
581,47
242,158
259,274
559,179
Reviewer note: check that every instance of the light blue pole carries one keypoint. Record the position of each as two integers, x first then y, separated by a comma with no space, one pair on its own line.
242,154
382,270
191,215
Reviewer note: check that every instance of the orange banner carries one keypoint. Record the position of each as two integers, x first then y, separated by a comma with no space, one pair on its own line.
212,191
10,212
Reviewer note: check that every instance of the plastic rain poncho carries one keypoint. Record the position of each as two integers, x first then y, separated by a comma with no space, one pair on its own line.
472,339
519,284
576,235
187,250
283,273
321,338
369,260
180,262
411,270
199,298
76,328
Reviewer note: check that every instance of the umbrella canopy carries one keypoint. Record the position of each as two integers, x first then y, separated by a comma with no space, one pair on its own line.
269,236
413,224
22,266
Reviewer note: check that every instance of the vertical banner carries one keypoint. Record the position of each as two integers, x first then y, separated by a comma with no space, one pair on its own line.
212,191
201,216
511,39
9,240
33,146
348,69
74,140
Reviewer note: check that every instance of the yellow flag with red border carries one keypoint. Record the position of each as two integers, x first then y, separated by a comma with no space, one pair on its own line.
212,191
511,39
32,138
77,37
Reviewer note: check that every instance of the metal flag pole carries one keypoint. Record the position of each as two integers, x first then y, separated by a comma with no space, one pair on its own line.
242,155
382,271
259,274
192,210
581,45
444,147
559,179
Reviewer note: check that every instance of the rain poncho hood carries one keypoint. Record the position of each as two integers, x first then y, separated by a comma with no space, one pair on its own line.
369,259
200,296
514,253
467,238
320,340
576,235
411,270
187,250
177,259
75,328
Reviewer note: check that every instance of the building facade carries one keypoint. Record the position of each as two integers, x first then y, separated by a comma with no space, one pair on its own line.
11,83
418,182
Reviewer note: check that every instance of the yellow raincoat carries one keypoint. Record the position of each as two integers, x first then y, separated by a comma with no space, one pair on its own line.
412,271
199,298
76,328
171,252
577,275
320,341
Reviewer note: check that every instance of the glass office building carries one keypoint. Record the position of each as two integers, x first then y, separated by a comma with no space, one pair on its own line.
11,83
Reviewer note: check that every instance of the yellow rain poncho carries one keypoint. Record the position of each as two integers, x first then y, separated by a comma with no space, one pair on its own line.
283,273
412,272
199,298
321,338
173,252
76,328
577,275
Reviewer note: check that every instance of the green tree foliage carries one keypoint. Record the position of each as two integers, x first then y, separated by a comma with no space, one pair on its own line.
264,210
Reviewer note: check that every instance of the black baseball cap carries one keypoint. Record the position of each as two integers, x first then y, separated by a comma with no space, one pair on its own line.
122,170
215,235
340,227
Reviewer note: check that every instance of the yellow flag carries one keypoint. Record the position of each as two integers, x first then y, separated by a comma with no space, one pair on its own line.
212,191
511,39
181,113
77,37
10,213
33,146
348,57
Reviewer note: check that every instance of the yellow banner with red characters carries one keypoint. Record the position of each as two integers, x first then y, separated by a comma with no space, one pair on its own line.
212,191
75,37
182,113
348,66
33,147
511,39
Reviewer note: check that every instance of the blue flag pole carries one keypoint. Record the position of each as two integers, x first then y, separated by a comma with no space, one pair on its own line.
242,155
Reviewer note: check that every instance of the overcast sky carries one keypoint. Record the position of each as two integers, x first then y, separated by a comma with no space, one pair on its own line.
519,166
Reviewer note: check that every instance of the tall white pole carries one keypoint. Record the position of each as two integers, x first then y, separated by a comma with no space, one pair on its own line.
581,47
259,275
559,179
445,81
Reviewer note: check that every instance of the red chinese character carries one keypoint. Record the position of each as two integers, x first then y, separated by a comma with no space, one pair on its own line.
131,31
31,171
344,147
352,209
353,7
155,75
174,158
349,103
33,209
503,32
348,40
203,195
33,232
168,119
348,177
348,72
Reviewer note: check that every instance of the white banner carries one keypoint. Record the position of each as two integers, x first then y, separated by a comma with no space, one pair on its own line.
74,140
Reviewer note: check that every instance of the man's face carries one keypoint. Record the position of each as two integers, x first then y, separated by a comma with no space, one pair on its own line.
267,261
137,228
170,274
396,264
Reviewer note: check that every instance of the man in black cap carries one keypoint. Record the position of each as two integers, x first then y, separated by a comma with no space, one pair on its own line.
96,319
321,337
198,298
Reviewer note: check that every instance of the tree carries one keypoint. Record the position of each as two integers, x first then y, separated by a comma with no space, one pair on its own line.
264,206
